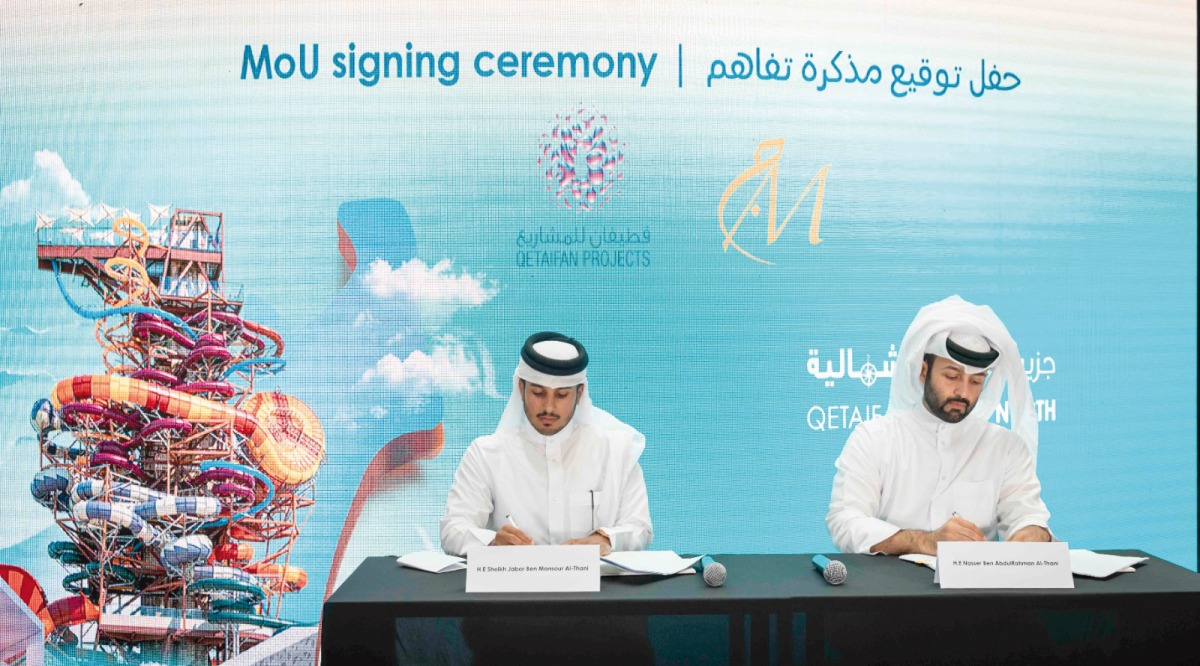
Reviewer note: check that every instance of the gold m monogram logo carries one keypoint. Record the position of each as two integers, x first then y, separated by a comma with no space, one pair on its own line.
766,163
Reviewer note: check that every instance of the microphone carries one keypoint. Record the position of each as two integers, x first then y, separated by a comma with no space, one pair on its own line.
714,572
833,571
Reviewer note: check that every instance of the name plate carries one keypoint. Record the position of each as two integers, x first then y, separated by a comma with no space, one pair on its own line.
997,564
533,569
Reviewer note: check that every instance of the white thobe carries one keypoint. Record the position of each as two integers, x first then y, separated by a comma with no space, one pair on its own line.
911,470
558,487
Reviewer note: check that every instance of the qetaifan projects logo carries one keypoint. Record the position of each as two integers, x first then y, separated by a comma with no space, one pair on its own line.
581,159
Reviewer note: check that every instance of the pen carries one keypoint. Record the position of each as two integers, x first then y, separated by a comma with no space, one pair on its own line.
509,519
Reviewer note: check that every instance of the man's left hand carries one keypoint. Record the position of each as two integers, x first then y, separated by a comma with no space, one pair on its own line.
598,539
1031,533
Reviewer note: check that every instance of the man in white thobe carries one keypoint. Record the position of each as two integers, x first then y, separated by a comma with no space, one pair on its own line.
933,468
558,470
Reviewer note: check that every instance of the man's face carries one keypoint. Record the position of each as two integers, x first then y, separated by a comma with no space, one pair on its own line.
549,410
950,391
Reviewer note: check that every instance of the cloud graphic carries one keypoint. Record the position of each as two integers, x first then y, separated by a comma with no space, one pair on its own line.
51,189
452,367
439,291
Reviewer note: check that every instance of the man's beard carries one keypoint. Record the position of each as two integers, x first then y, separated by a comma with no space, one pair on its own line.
938,406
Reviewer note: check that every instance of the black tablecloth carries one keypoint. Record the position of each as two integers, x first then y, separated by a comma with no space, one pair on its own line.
887,610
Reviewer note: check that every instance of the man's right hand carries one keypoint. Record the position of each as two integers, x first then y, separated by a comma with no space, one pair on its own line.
955,529
511,536
917,541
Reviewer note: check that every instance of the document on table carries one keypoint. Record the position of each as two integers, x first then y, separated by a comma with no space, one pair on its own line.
432,561
646,562
920,558
1098,565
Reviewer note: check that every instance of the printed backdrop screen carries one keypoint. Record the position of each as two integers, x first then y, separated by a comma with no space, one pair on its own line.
266,267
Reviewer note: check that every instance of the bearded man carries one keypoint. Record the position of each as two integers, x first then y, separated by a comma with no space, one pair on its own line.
933,468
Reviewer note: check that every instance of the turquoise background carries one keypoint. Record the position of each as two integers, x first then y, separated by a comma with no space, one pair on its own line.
1068,204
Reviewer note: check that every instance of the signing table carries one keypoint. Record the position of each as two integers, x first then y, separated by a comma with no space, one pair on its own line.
770,602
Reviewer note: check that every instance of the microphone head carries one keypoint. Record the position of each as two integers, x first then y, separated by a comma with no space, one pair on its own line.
834,572
714,574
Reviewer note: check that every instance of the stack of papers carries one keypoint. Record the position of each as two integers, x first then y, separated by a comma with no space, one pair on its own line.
646,562
624,563
432,561
1098,565
920,558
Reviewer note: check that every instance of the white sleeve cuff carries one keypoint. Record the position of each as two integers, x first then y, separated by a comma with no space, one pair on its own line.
482,537
618,537
1027,523
869,532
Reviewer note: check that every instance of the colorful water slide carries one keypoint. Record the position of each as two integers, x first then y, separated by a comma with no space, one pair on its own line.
72,610
208,388
216,469
285,577
224,572
229,589
30,592
292,444
66,552
113,456
90,489
170,427
233,553
117,575
220,617
210,353
172,505
282,433
268,364
246,590
49,487
143,505
235,483
153,375
175,411
70,451
187,550
83,413
117,311
121,515
179,428
146,326
245,325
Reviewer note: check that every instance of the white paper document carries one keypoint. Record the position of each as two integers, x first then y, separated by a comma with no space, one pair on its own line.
652,562
1098,565
432,561
922,559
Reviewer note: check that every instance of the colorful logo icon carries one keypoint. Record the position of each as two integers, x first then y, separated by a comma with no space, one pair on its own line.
581,157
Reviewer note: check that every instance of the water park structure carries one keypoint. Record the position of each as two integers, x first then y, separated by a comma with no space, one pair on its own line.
179,485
